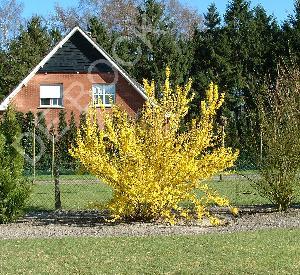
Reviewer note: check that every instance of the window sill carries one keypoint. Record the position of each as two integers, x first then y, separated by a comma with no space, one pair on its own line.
105,106
51,107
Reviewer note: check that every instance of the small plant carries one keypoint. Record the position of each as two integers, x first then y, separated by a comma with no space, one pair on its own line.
151,164
278,158
14,188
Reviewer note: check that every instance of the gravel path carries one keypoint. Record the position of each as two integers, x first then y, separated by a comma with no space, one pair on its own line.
79,224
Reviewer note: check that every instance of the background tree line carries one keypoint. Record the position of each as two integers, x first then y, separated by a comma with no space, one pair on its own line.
240,52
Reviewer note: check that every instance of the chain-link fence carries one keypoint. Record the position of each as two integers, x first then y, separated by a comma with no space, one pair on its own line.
75,191
61,184
82,191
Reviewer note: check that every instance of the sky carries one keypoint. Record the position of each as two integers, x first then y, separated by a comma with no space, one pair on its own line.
279,8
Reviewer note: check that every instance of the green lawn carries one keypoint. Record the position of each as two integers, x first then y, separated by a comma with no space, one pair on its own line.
77,192
239,191
73,196
260,252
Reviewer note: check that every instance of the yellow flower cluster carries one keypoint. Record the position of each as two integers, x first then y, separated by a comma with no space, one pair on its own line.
152,164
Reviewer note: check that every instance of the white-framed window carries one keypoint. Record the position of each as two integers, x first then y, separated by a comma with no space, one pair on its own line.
104,93
51,95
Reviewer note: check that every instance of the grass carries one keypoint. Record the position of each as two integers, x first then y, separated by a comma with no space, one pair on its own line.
239,191
260,252
73,196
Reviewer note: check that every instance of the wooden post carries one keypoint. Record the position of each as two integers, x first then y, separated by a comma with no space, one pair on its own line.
55,175
223,145
261,146
57,188
223,136
33,157
53,155
223,121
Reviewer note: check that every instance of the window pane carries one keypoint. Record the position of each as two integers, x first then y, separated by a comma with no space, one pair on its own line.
97,89
45,101
104,92
60,103
110,89
97,99
109,99
54,102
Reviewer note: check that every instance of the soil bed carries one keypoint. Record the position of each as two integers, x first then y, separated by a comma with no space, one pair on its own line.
92,224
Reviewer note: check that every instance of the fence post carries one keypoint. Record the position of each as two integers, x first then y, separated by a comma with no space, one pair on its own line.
57,188
34,160
223,121
53,155
55,175
261,145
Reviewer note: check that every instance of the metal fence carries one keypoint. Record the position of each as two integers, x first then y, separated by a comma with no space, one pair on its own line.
75,192
71,188
82,191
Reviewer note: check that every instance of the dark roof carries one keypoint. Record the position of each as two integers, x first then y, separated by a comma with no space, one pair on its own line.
76,55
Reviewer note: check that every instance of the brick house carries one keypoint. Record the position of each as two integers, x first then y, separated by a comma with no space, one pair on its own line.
76,71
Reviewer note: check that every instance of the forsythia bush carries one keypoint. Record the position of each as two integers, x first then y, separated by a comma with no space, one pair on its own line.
149,162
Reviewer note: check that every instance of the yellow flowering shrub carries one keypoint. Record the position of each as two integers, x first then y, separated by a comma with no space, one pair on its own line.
150,163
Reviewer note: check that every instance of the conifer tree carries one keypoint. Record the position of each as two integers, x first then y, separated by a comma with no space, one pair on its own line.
210,61
62,141
72,129
43,144
14,188
25,52
252,37
292,34
82,121
99,31
72,134
160,46
28,132
212,17
3,72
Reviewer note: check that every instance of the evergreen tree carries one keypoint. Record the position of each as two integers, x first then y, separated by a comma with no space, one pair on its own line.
3,72
72,129
239,56
160,46
292,34
211,58
14,188
99,31
62,143
72,134
25,52
43,144
20,119
253,37
82,122
27,142
212,17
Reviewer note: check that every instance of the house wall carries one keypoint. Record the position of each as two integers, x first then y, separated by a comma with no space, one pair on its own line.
77,89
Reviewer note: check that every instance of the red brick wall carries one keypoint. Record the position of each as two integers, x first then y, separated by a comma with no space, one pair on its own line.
76,94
